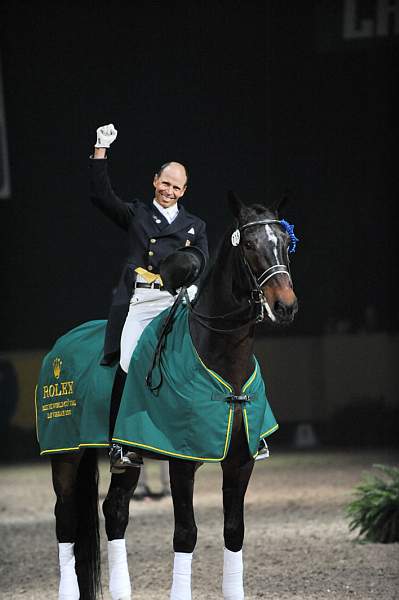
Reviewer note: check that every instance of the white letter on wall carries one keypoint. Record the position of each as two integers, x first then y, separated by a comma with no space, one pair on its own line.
385,8
351,31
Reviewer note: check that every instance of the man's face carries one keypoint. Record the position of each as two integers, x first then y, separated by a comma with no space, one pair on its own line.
170,185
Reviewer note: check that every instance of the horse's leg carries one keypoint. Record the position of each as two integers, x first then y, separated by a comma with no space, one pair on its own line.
116,513
182,475
64,471
237,469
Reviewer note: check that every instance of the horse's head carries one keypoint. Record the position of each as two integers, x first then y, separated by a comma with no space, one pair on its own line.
264,242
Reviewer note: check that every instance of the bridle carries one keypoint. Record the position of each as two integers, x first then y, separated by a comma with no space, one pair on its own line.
257,299
256,293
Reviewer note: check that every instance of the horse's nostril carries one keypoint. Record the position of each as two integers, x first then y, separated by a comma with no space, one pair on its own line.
279,308
283,310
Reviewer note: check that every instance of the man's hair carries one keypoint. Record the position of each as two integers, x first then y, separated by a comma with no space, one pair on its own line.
162,167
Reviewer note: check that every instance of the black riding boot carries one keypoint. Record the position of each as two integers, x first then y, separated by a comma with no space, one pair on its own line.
119,458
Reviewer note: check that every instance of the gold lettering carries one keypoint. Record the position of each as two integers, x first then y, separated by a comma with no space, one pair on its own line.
58,389
59,413
56,405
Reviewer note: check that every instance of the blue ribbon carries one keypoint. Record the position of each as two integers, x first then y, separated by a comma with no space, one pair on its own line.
290,230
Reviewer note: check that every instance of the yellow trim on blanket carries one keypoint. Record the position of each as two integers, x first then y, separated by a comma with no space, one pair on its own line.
246,423
83,445
215,375
177,455
263,435
221,380
269,431
101,445
250,380
37,428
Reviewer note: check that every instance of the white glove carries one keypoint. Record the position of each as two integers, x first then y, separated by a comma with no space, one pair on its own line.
106,134
192,292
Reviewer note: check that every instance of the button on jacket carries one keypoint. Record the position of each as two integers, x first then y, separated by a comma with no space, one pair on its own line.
150,237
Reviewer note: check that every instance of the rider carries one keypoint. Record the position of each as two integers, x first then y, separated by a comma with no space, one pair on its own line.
154,232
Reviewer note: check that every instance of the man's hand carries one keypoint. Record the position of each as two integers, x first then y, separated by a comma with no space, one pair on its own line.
192,292
106,134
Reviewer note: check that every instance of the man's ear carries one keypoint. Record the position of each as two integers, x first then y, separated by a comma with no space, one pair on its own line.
154,181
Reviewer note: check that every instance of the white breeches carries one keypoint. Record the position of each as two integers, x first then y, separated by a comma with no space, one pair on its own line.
144,306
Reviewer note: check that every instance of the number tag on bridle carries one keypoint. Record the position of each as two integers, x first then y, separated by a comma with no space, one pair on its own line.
235,237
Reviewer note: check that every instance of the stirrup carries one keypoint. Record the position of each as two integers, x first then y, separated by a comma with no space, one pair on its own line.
119,461
263,451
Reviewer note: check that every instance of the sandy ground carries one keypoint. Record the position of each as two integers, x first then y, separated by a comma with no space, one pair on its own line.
297,544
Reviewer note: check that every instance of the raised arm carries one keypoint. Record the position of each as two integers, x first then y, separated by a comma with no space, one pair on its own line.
101,193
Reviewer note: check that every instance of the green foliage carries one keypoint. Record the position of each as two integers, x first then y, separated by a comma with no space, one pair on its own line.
375,509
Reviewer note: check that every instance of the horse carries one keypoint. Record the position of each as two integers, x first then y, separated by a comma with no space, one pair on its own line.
248,282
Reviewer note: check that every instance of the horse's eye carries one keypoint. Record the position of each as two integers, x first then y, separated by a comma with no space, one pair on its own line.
249,245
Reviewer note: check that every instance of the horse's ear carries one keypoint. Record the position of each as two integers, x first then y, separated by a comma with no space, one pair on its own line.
280,203
235,203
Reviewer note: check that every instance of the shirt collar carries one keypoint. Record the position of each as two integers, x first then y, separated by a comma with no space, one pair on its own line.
169,213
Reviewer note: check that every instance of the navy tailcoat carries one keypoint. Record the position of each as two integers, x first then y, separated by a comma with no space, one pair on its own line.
150,238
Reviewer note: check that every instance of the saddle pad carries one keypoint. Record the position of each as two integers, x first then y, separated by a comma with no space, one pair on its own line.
189,416
73,393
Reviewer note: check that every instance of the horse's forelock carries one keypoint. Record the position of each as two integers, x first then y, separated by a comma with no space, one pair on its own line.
254,212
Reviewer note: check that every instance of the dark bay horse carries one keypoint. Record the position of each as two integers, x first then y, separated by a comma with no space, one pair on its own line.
248,282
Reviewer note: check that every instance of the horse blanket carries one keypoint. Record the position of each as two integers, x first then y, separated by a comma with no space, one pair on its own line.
190,416
73,393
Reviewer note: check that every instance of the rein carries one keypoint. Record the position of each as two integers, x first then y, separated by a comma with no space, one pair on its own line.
166,327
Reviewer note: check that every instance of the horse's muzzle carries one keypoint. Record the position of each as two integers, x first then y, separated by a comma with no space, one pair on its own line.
281,303
285,313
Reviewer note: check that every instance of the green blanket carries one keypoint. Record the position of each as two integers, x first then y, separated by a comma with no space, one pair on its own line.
190,418
73,392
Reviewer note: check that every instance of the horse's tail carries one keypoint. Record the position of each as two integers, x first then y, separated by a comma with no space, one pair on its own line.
87,544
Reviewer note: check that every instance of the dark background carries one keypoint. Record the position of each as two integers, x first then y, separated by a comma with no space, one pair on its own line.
259,97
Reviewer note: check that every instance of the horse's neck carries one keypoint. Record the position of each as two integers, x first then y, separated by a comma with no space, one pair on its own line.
230,354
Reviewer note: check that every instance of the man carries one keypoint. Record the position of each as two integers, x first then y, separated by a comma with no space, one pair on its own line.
154,232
